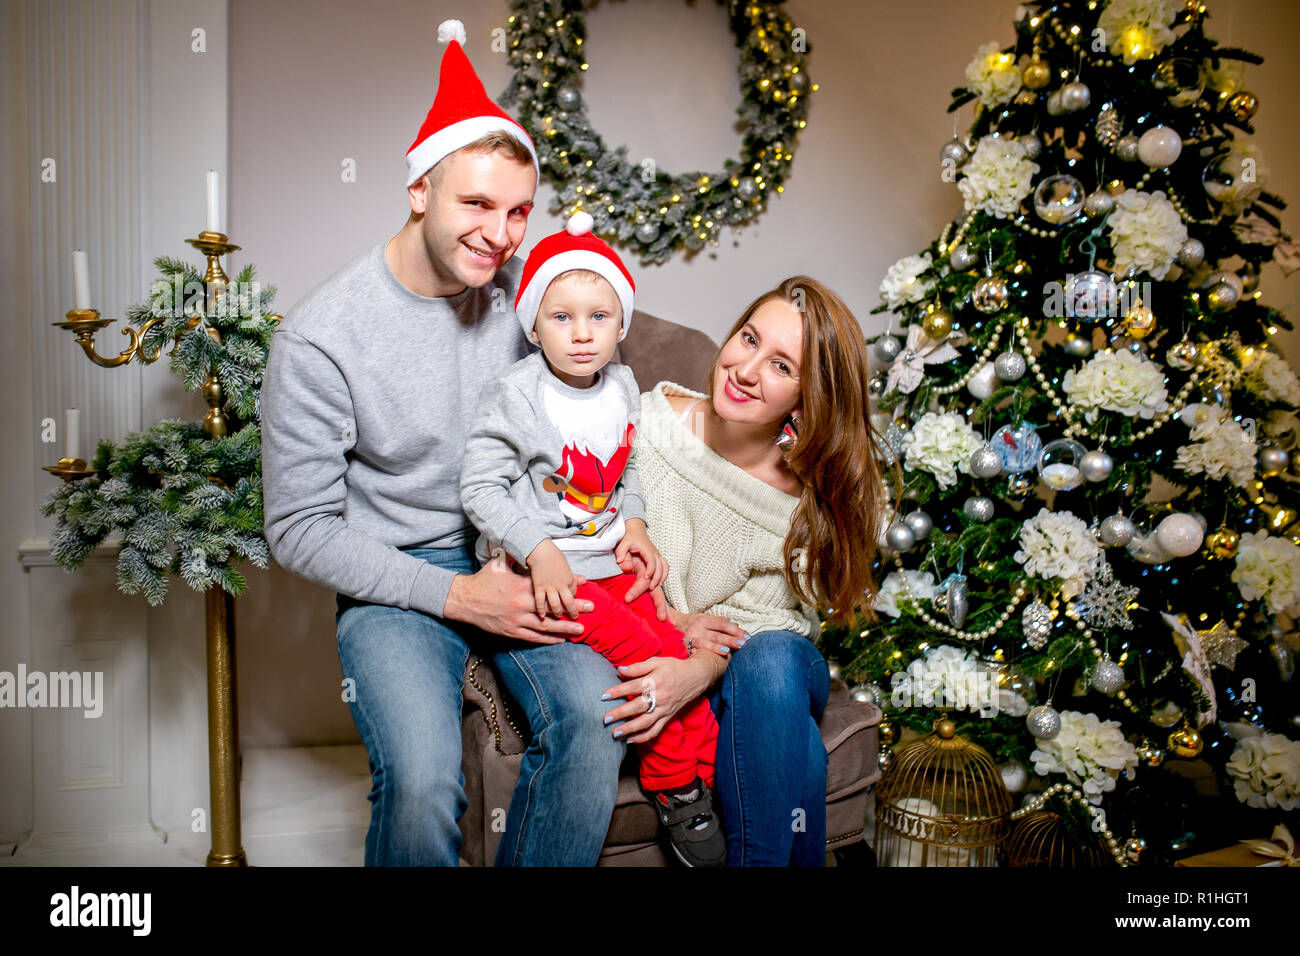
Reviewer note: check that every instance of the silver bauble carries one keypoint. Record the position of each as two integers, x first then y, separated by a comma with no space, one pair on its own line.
1182,355
1059,198
1036,623
1096,465
978,508
1054,105
920,523
887,348
1160,146
899,537
876,385
954,151
647,232
833,669
1117,530
1014,776
962,258
1223,275
990,294
1180,534
1078,345
952,598
1273,460
747,188
1126,148
983,382
1107,676
1032,145
1090,295
985,462
568,98
1075,96
860,693
1191,253
1009,366
1221,297
1099,203
1043,722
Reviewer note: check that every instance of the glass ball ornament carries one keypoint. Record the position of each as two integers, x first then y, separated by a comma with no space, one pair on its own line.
1058,465
899,537
1117,530
954,152
1015,777
1181,79
1180,534
1160,146
937,323
1090,295
1185,743
1078,345
1035,74
990,294
1167,715
887,348
1191,254
1036,624
1243,105
983,383
1181,356
1099,203
962,258
647,232
985,462
1107,676
1075,96
1273,460
568,98
1058,198
747,188
1031,144
1019,448
1019,485
876,385
1043,722
920,523
1010,366
1054,105
1096,465
1222,543
978,508
1225,179
1134,847
694,241
1126,148
1221,297
1139,320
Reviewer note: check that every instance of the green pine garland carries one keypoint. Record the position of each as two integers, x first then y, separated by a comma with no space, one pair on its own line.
184,504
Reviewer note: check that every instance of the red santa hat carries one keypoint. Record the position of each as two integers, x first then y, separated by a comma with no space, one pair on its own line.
576,247
461,111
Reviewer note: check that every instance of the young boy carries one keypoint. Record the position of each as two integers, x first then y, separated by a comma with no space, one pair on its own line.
545,477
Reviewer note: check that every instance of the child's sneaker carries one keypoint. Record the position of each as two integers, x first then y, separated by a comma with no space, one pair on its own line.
692,825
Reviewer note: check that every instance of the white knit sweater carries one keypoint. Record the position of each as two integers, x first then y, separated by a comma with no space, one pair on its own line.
720,529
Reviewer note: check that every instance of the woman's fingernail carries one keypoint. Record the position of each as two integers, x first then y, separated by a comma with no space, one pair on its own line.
743,640
609,720
618,733
724,649
604,696
622,667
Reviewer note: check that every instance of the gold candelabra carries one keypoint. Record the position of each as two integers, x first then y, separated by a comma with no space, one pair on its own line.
219,606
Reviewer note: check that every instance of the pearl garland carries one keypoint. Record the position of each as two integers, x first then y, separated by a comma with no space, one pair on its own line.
1071,39
975,366
955,631
1071,792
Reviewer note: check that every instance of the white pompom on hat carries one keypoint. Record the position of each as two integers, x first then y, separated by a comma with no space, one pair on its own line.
575,247
461,111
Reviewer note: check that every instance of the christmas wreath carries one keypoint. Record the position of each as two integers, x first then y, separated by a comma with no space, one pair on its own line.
633,200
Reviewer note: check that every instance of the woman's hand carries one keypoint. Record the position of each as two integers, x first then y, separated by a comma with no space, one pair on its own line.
709,632
674,681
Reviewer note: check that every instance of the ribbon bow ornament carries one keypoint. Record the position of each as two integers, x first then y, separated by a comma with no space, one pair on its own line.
921,350
1285,854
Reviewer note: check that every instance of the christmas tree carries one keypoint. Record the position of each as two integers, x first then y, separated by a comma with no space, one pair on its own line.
183,502
1095,541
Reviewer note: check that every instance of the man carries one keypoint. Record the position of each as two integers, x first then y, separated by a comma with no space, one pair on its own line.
370,384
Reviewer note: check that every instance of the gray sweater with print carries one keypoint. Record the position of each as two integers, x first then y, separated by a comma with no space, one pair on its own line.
547,460
366,404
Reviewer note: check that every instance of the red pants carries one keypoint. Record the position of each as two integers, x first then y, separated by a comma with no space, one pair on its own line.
630,633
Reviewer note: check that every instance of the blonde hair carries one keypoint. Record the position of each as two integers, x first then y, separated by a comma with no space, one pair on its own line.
497,141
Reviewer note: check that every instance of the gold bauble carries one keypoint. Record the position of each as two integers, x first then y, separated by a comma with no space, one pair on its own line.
1243,106
937,324
1185,743
1036,74
1140,321
1279,516
888,733
1222,543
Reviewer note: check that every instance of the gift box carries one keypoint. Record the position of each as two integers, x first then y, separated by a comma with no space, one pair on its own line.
1279,851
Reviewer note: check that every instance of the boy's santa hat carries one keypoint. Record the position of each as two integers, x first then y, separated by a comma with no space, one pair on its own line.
461,111
576,247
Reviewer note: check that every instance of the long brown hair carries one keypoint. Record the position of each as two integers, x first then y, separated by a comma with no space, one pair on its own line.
838,519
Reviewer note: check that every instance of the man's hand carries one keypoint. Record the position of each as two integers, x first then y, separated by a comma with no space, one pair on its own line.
636,554
501,602
555,588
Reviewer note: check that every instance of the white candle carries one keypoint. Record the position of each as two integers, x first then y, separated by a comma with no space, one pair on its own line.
72,425
214,206
80,279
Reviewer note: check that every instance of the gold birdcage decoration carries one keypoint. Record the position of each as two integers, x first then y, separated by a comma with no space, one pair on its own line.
1040,839
941,802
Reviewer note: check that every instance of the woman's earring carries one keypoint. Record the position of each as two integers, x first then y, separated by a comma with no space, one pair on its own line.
789,432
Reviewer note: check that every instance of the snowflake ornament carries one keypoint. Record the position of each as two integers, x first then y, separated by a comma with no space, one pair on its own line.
1104,601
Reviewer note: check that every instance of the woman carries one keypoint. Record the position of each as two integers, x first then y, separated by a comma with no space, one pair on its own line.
757,536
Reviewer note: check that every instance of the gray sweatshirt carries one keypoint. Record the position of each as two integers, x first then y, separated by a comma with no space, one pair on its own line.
366,404
546,460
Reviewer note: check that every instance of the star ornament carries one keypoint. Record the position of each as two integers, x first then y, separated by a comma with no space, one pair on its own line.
1221,646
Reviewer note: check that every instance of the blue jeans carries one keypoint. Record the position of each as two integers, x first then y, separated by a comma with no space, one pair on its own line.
771,761
407,668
